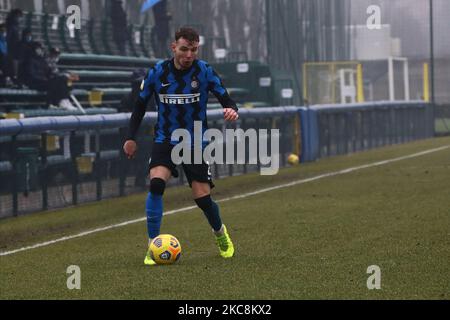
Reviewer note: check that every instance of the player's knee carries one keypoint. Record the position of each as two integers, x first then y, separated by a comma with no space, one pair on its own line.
157,186
200,189
204,203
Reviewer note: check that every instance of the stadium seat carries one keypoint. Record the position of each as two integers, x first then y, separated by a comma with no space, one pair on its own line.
35,23
3,15
105,75
104,62
98,79
238,95
51,30
84,38
56,112
145,40
5,166
21,97
96,32
110,43
135,41
255,80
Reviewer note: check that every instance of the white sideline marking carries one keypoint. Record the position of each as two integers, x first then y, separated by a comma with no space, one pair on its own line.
245,195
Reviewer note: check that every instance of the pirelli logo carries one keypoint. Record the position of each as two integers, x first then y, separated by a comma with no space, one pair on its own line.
179,98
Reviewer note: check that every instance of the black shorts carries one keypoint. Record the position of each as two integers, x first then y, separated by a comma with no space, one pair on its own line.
161,156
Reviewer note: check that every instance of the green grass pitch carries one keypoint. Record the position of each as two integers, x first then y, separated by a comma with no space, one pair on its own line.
309,241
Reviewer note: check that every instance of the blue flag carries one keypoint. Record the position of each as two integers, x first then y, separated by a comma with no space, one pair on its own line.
148,4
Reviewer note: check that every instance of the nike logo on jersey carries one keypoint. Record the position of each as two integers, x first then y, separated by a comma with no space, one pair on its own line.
165,84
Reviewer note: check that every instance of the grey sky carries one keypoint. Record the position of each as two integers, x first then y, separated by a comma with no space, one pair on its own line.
409,20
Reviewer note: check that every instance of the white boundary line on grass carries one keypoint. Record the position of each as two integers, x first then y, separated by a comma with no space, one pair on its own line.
245,195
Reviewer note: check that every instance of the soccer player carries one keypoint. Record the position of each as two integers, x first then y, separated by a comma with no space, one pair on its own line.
180,86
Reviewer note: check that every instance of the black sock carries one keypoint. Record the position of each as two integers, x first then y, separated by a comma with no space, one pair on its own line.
211,211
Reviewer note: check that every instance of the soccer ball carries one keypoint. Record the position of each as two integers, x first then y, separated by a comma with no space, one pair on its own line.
165,249
293,159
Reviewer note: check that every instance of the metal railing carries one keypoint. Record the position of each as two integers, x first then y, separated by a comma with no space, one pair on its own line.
61,161
343,129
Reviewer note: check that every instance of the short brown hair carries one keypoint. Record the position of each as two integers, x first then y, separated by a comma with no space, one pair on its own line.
187,33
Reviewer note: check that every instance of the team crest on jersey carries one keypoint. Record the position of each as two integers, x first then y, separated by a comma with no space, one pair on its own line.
194,84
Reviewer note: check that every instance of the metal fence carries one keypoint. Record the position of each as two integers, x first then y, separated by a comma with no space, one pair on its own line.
350,128
48,163
53,162
442,119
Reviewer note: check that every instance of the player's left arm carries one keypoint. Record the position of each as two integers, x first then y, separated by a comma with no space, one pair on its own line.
215,85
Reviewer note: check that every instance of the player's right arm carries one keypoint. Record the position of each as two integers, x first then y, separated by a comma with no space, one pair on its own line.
215,85
147,89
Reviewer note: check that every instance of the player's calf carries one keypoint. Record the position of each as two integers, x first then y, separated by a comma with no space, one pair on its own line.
211,211
154,211
154,206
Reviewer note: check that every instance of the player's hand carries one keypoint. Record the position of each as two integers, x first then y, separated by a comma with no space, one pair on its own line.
130,148
230,115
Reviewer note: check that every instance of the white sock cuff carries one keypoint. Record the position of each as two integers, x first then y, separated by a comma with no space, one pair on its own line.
220,232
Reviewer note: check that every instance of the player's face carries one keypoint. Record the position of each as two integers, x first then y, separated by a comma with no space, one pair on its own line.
185,52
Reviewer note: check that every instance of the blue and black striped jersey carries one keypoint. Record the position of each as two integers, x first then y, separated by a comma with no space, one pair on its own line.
182,95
